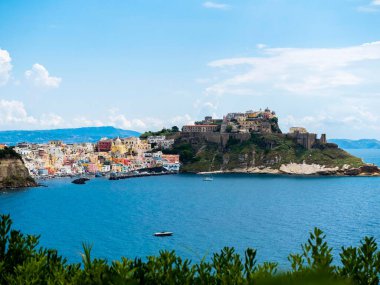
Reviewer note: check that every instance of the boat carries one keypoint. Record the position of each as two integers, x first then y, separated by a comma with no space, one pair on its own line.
98,174
208,179
163,234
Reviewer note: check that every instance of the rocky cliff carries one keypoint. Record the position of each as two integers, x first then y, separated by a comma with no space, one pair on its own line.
13,173
267,153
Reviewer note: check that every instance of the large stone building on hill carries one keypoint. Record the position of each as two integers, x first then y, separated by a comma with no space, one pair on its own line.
241,125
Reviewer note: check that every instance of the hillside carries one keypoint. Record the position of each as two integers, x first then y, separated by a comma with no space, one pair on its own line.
13,173
75,135
357,144
265,153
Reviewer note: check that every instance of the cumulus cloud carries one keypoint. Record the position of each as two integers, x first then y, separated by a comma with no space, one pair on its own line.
13,115
5,66
39,76
13,112
117,119
336,121
215,5
299,70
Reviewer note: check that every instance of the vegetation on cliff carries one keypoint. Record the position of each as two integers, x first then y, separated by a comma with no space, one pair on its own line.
261,150
163,132
9,153
22,261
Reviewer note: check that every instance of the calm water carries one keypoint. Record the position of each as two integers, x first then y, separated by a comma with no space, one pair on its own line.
271,213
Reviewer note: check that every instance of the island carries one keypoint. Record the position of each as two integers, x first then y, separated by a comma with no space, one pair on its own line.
252,142
246,142
13,173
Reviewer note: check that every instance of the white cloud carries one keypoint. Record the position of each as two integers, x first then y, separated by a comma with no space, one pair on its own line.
40,77
82,121
372,7
51,120
181,120
14,112
119,120
5,66
299,70
215,5
13,115
261,46
349,120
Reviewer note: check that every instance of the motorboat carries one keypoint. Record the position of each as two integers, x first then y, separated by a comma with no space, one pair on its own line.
163,234
208,179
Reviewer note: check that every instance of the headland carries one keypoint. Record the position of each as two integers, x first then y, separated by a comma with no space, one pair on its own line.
252,142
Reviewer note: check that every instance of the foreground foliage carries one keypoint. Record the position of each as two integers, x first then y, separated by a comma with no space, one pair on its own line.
23,262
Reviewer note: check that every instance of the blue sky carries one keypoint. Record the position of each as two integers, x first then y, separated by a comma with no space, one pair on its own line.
148,64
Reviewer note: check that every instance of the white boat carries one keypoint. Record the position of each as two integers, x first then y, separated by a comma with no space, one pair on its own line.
163,234
208,179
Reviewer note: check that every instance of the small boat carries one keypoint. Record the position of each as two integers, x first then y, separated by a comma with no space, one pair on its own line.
98,174
208,179
163,234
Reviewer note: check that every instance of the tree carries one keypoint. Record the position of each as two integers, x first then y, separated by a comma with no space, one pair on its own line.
228,128
175,129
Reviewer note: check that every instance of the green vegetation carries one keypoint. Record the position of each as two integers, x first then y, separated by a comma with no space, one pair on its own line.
163,132
14,181
266,150
8,152
22,261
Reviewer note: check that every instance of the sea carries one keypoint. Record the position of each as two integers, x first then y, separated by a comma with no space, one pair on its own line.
273,214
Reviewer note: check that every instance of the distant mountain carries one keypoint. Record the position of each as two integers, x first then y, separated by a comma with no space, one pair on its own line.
357,144
77,135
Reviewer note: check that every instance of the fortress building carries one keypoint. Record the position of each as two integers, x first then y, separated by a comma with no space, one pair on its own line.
303,137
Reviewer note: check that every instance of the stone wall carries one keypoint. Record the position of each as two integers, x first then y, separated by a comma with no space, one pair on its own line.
307,140
219,138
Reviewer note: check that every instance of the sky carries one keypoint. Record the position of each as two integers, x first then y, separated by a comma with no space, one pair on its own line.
143,65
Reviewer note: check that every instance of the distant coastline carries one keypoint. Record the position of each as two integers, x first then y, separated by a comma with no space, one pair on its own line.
357,144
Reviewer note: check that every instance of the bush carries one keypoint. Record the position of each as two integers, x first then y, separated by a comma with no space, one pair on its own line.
8,152
23,262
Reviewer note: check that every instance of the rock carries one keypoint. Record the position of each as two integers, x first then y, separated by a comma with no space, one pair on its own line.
307,169
80,181
14,174
369,169
352,172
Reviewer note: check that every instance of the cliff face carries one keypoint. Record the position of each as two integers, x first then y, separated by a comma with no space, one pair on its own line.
14,174
267,153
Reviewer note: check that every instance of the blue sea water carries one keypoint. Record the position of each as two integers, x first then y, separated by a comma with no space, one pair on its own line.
273,214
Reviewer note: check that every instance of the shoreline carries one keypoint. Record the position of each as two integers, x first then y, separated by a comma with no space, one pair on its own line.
303,170
282,174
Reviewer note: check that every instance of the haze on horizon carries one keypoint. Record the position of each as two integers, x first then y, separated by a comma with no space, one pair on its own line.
144,65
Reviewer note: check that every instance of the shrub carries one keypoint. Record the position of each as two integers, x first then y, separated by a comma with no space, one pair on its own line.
23,262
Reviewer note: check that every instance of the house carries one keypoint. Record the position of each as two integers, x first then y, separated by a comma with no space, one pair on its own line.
200,128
